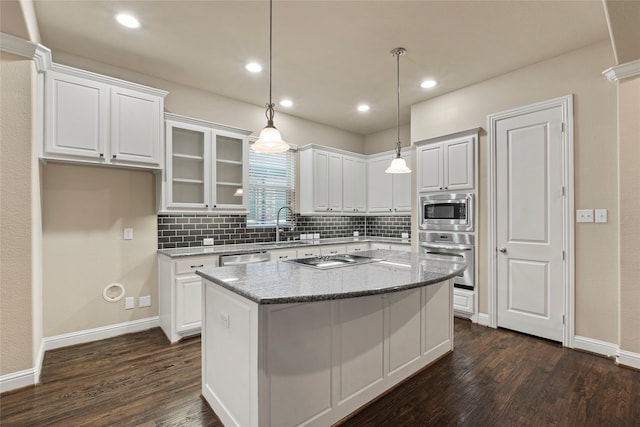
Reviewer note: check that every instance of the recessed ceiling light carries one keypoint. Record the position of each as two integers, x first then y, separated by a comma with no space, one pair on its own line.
428,84
286,103
254,67
363,107
127,20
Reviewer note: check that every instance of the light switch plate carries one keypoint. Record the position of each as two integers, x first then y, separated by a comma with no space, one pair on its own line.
584,215
601,215
129,303
144,301
127,234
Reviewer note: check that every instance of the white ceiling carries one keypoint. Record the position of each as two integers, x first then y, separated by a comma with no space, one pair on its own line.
328,56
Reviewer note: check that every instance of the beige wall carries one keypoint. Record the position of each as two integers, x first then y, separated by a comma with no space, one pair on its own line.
386,140
16,334
85,210
629,136
578,73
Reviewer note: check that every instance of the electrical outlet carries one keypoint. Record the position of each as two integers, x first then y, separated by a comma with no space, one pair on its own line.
225,319
129,303
584,215
601,215
207,241
144,301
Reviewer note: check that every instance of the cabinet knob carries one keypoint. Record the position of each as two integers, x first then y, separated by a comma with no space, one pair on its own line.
390,210
441,188
101,154
503,250
114,156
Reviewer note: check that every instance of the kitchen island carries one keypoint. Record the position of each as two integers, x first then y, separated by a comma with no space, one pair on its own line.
285,344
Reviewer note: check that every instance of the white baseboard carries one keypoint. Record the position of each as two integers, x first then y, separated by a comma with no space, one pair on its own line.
483,319
17,380
629,359
103,332
595,346
31,376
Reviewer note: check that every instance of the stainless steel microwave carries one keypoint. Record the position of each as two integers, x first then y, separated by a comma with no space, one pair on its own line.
446,212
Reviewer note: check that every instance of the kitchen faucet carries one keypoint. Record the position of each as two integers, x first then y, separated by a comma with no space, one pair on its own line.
293,221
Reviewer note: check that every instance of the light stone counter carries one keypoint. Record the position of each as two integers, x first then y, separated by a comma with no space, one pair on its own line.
280,282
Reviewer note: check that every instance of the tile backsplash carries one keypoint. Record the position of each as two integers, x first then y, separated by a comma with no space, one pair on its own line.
184,230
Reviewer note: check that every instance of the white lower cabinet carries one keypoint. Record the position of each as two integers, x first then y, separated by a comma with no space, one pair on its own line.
463,302
333,250
357,247
180,295
282,254
308,252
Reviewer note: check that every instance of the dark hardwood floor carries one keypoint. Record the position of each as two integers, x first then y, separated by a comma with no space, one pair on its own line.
493,378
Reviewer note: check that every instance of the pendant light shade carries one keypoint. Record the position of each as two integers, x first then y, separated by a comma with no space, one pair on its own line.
270,140
398,164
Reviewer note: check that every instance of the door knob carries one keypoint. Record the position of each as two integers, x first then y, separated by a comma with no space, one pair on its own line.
503,250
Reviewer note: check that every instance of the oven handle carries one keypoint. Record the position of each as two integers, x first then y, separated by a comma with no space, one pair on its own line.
447,247
444,253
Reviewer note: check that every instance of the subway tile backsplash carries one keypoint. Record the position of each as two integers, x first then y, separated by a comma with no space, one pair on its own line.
184,230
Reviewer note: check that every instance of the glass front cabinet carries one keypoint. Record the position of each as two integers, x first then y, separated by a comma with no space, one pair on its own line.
206,166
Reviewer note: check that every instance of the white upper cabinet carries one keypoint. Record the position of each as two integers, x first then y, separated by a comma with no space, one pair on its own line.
354,189
446,165
322,180
388,193
206,164
95,119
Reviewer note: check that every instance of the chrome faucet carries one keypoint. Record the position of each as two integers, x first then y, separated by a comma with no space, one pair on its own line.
293,221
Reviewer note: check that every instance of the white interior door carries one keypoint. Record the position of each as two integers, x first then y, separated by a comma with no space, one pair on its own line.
529,234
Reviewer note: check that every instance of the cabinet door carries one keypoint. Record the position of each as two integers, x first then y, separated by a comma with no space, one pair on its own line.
402,189
76,117
358,247
335,182
354,187
230,154
135,127
320,181
430,163
463,301
459,164
188,303
379,195
283,254
188,166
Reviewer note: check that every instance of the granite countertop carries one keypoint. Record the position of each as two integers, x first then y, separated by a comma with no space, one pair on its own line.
279,282
270,246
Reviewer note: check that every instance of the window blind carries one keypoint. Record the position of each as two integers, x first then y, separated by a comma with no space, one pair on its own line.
272,181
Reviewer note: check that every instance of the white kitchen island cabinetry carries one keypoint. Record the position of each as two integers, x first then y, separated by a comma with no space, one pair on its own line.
206,164
447,165
322,344
95,119
180,294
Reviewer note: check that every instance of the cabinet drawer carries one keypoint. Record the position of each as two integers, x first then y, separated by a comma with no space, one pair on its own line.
308,252
463,301
191,264
333,250
360,247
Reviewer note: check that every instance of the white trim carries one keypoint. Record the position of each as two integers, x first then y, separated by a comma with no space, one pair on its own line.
18,379
628,358
566,103
205,123
591,345
103,332
469,132
483,319
40,54
622,71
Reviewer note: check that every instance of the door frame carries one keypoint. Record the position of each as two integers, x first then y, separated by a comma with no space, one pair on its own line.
568,241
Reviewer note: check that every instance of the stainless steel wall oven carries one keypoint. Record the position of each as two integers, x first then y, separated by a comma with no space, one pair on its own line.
452,246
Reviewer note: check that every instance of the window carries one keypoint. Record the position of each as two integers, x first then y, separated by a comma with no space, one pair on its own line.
272,181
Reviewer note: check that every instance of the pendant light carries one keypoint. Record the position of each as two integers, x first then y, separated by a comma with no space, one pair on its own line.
270,140
398,164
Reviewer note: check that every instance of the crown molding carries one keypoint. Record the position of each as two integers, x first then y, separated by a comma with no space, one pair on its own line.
622,71
40,54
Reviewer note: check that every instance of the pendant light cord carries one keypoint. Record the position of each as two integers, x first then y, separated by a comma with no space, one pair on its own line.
398,102
270,107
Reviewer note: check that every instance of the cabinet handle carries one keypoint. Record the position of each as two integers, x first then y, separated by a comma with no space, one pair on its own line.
114,156
446,188
283,257
101,154
441,188
197,266
390,210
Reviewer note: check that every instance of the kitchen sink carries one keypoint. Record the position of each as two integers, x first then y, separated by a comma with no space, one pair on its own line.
333,261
